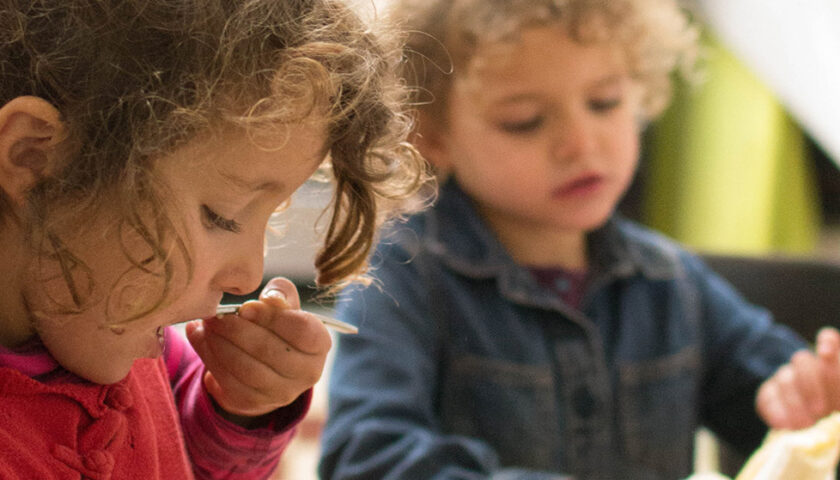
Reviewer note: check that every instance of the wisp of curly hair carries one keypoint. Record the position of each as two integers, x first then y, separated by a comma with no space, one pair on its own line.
657,35
135,79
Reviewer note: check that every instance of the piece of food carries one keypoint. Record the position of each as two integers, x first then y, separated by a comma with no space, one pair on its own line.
807,454
708,476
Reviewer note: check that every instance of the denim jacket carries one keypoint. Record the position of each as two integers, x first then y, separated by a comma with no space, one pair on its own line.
465,367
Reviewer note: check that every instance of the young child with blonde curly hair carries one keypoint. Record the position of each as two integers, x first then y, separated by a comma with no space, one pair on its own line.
522,329
144,146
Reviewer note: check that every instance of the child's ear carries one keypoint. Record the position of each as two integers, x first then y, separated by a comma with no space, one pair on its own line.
431,140
30,130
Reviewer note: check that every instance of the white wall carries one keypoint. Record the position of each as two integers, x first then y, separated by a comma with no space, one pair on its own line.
794,46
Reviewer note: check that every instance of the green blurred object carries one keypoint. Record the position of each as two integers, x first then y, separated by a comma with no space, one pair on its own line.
728,170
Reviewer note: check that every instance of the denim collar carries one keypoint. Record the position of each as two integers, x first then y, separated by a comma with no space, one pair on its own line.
619,249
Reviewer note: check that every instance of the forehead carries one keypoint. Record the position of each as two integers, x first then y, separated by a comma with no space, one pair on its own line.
262,157
541,57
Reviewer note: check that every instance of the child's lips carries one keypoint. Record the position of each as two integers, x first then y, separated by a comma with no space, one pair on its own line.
583,185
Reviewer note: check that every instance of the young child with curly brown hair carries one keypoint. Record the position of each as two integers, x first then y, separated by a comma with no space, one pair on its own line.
144,146
521,328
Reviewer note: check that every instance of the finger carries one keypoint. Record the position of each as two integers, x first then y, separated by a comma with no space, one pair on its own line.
256,356
797,410
829,368
809,381
771,407
828,351
300,329
828,343
286,289
198,338
244,386
225,360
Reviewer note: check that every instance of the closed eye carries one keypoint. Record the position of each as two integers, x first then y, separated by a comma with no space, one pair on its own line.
212,220
604,105
526,126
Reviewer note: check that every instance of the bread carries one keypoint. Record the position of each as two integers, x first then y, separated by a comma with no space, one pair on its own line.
808,454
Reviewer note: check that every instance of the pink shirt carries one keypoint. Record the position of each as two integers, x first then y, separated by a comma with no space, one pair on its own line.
192,437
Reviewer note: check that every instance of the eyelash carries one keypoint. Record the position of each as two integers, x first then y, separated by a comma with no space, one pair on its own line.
604,105
529,126
212,220
523,127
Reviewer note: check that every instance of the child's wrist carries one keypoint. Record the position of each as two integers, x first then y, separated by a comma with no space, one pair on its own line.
243,421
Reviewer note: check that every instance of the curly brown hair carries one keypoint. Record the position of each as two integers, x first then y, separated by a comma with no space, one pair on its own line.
135,79
657,35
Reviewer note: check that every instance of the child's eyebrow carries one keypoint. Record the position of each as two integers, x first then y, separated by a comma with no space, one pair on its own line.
605,81
517,98
512,99
609,80
253,186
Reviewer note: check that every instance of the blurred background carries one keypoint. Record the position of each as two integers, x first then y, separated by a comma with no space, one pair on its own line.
744,163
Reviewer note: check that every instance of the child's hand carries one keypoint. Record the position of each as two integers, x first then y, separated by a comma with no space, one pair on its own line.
806,389
265,357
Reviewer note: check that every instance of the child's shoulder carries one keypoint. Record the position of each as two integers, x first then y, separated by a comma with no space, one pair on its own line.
645,236
402,237
654,248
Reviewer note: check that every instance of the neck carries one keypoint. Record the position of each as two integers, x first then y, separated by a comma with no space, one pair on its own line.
15,327
545,249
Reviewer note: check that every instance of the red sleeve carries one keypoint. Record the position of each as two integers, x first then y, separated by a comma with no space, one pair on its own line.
218,448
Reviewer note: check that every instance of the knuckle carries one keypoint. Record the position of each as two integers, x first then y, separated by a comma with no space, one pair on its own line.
786,377
802,358
262,351
307,333
313,376
317,337
327,343
284,397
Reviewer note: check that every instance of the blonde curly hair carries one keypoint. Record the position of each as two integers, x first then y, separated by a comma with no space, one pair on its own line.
135,79
443,36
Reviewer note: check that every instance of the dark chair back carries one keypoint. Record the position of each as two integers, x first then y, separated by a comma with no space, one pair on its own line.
801,293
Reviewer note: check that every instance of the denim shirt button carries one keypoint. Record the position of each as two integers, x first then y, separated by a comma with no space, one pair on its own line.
584,402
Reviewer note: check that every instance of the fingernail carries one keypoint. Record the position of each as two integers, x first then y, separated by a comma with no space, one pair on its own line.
274,293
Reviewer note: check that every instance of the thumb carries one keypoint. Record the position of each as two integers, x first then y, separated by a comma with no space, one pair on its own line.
197,337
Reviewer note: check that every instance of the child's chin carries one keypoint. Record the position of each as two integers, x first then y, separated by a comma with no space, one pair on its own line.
113,374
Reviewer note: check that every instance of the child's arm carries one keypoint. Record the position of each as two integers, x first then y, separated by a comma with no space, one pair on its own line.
221,442
806,389
743,348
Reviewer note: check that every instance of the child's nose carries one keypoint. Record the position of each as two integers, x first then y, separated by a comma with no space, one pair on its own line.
242,270
574,139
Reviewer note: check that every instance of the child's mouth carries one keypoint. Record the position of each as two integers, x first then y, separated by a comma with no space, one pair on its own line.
581,186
